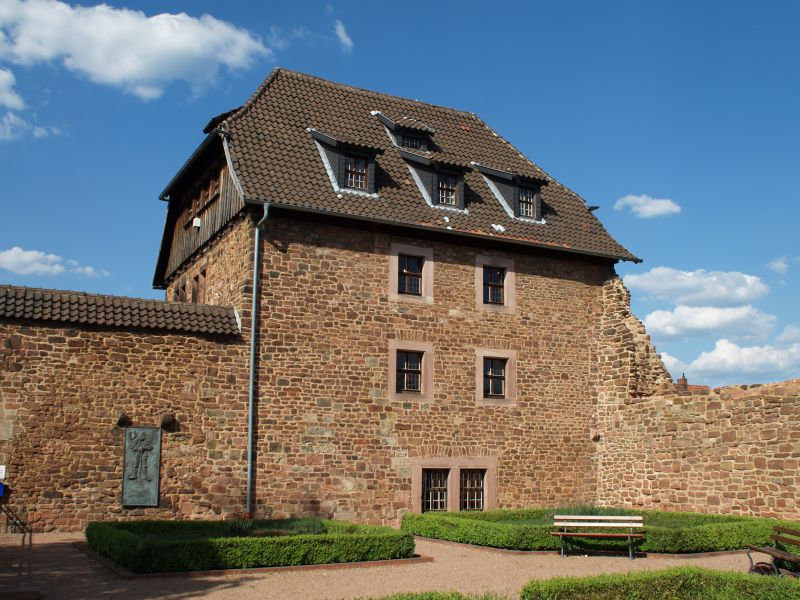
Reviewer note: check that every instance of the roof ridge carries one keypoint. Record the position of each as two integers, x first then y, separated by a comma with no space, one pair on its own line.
336,84
23,288
237,114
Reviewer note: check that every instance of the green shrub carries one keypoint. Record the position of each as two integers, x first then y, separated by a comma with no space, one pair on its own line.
164,546
684,583
665,532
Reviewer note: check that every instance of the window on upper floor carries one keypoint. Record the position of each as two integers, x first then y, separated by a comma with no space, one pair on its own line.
409,372
494,377
494,285
447,189
409,274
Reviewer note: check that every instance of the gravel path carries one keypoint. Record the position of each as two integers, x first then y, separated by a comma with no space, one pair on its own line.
57,569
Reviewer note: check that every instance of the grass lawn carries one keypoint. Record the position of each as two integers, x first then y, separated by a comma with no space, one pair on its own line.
169,546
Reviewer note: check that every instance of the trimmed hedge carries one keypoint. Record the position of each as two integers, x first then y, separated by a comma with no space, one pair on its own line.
686,583
672,533
168,546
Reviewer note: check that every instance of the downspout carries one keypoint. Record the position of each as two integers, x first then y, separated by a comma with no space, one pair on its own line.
253,333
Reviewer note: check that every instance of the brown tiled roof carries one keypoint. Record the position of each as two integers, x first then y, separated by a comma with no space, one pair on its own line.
276,160
114,311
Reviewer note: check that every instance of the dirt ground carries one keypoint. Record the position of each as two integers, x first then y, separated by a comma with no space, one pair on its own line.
54,567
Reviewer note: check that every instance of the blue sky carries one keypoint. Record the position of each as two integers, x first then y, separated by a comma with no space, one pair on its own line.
680,119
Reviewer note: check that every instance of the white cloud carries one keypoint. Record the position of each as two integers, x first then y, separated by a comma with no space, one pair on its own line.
698,288
8,97
686,321
125,48
344,39
729,359
675,366
779,265
280,39
789,335
647,207
14,127
35,262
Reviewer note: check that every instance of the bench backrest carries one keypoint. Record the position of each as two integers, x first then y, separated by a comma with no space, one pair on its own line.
598,521
786,536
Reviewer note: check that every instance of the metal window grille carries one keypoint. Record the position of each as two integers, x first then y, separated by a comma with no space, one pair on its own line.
434,489
409,371
410,141
355,172
493,285
472,489
494,377
447,190
527,202
409,274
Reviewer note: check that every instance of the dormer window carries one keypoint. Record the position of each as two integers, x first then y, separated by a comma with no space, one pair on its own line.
447,187
411,141
355,168
527,203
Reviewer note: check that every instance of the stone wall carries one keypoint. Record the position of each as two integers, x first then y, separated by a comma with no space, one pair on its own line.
61,392
733,450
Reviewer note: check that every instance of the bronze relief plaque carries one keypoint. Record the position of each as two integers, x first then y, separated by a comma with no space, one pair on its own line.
141,466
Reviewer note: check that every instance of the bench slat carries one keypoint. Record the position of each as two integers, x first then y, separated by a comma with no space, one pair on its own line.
598,535
785,540
787,531
595,518
602,524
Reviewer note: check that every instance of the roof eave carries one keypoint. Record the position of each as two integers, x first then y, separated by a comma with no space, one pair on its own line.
421,227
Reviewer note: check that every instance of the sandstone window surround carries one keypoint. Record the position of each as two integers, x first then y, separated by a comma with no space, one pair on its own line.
510,377
455,465
426,281
509,283
425,393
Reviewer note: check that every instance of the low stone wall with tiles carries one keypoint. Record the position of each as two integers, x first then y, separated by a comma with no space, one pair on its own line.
61,392
733,450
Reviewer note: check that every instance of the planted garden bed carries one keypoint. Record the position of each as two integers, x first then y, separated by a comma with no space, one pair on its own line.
667,532
170,546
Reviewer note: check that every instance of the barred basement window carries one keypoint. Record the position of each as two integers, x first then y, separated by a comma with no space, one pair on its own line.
447,189
494,377
355,169
409,274
527,203
472,489
434,489
493,285
409,372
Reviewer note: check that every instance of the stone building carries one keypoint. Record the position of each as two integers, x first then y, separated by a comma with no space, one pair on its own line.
399,309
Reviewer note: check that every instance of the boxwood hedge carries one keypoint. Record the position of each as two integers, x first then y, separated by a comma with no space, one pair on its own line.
667,532
686,583
167,546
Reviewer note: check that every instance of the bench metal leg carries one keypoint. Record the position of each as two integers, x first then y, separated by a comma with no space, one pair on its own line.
630,547
563,554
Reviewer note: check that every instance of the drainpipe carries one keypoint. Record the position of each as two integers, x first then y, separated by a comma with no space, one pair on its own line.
253,332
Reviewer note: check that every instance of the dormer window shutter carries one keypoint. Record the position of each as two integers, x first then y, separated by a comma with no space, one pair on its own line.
516,200
460,191
341,175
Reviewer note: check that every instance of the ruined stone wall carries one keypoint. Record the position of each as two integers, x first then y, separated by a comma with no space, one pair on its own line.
332,442
733,450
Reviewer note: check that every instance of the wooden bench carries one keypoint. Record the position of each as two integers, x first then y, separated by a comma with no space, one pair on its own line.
779,535
570,526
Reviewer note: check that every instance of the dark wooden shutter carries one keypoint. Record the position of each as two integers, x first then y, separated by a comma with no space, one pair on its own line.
371,183
460,191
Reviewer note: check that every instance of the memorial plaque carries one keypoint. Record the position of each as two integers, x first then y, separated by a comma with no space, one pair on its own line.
141,466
